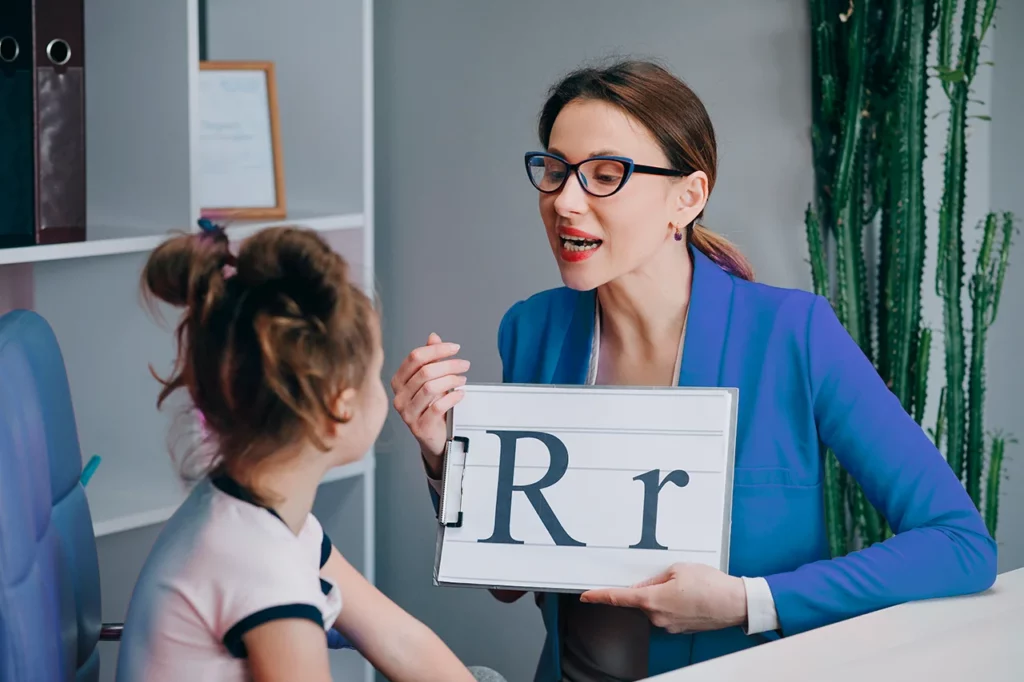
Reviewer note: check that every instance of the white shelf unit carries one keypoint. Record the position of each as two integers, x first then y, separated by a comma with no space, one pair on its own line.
112,241
142,72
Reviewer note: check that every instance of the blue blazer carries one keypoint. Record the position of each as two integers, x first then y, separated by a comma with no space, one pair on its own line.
804,385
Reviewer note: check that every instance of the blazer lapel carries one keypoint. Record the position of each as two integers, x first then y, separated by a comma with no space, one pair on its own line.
703,350
574,355
707,323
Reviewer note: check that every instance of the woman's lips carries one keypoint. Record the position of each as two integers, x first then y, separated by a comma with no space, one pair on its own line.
577,245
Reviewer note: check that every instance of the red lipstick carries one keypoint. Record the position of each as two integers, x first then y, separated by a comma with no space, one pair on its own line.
576,245
573,232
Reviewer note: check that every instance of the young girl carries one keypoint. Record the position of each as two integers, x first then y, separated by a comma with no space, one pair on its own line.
282,357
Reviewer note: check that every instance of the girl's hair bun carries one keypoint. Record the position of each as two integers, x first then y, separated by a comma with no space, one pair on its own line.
263,350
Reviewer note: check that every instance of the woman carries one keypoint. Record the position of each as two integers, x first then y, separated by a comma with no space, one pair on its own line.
653,298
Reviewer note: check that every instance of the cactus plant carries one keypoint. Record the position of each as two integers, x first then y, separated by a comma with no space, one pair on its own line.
869,88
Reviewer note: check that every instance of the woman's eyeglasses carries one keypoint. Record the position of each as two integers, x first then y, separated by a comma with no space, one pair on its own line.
599,176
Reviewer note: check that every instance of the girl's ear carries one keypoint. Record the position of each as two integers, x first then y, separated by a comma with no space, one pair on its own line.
344,406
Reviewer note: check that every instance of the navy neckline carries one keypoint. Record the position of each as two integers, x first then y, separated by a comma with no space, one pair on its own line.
229,486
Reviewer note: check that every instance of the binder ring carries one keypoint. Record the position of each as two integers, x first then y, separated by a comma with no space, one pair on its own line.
58,51
9,49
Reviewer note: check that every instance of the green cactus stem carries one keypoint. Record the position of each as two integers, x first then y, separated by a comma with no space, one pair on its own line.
981,296
835,513
963,441
825,96
921,364
950,267
848,198
985,291
945,23
899,326
892,39
995,472
851,287
939,431
816,247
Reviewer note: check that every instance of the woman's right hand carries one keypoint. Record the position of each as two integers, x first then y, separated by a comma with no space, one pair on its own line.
423,387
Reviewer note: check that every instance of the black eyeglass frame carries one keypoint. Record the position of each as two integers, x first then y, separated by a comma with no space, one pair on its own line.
574,168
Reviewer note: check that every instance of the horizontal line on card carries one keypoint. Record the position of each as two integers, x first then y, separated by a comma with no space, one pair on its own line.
523,583
575,468
544,544
595,429
669,392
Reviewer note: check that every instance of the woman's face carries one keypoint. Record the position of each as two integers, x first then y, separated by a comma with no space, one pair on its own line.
629,229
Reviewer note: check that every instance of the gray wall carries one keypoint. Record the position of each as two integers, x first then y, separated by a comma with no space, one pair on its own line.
1006,367
459,85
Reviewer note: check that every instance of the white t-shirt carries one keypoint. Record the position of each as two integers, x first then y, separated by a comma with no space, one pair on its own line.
222,565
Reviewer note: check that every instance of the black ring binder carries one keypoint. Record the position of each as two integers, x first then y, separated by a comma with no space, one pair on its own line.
444,483
9,49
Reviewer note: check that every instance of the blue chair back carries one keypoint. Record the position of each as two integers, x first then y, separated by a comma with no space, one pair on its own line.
49,571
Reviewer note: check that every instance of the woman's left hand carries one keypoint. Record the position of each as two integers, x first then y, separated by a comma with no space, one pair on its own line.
683,598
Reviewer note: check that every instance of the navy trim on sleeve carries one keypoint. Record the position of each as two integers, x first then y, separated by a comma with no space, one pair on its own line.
325,550
233,637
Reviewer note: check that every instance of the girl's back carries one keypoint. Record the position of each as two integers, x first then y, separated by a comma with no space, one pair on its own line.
222,565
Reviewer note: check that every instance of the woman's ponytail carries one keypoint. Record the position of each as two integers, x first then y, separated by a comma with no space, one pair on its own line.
723,252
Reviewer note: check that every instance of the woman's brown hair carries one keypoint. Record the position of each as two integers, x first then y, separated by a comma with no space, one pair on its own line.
263,353
676,118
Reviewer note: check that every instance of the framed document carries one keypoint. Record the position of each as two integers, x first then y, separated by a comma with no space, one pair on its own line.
240,161
569,488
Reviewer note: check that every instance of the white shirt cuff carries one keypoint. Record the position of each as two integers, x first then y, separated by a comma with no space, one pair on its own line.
435,483
761,613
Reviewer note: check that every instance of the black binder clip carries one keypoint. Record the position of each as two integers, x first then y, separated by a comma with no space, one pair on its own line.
450,507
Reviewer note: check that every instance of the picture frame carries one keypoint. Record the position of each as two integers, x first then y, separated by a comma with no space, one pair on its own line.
241,165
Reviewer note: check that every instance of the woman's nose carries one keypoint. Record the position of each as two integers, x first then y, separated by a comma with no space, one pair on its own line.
571,198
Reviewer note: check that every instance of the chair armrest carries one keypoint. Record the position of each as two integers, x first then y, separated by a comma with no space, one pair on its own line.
111,632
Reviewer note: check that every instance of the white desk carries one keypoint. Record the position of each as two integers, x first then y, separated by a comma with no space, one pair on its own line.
964,639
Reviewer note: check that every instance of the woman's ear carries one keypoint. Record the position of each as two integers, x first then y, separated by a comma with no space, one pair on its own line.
691,195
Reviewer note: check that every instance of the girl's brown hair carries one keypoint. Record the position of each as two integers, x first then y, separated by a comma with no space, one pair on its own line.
262,353
676,117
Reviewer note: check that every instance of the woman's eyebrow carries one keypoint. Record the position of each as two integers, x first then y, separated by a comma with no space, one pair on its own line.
600,152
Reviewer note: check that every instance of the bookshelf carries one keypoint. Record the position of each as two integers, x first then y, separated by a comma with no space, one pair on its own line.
142,70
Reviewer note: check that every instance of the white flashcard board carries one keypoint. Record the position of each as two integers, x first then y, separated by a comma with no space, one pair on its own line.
569,488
